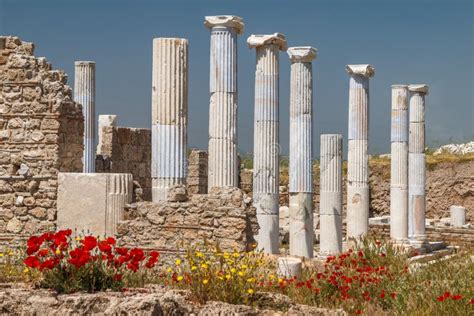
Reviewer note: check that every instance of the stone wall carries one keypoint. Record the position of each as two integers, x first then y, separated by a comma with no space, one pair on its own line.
41,133
127,150
224,216
448,183
197,172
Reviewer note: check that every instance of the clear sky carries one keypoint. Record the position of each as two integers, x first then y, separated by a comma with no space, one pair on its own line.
407,42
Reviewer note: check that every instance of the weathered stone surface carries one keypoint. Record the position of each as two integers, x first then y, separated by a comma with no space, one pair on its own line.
41,132
197,177
92,202
224,216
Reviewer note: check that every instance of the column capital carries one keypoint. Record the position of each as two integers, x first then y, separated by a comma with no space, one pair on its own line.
225,20
84,62
418,88
395,86
365,70
303,54
258,40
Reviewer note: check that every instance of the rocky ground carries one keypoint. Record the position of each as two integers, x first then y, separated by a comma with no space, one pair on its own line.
149,301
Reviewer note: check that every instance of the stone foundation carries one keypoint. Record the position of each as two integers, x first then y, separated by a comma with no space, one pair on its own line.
126,150
224,216
41,133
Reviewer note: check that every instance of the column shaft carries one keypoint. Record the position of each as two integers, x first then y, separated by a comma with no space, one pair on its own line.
416,165
399,164
84,93
358,159
223,164
330,219
169,115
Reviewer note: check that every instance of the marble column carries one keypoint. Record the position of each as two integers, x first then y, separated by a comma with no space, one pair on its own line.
358,158
399,165
301,171
330,214
266,138
223,162
458,216
169,115
416,165
84,93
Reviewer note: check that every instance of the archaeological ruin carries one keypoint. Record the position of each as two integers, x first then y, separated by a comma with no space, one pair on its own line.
147,188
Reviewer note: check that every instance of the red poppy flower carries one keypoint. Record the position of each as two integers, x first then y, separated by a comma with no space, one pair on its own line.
89,242
382,295
456,297
33,244
117,277
154,254
104,246
43,252
32,262
111,240
471,301
49,264
441,298
121,251
393,295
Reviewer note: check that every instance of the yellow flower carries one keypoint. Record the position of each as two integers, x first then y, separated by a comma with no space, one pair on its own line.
26,270
280,280
78,238
236,255
205,281
169,270
250,291
179,278
244,266
228,276
230,262
241,273
11,253
220,278
226,255
271,277
199,254
233,270
251,280
204,266
58,252
1,254
178,262
193,268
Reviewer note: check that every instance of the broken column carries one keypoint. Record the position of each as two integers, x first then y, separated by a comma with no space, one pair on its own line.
223,165
301,175
358,158
84,93
458,216
330,214
416,165
169,115
266,138
399,165
105,121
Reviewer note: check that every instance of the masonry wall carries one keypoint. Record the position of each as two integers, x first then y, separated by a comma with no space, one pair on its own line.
41,133
127,150
197,172
225,216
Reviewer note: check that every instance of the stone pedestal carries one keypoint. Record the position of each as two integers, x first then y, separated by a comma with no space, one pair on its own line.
289,267
301,173
399,165
169,115
84,93
358,158
458,216
416,165
266,138
93,203
330,214
223,161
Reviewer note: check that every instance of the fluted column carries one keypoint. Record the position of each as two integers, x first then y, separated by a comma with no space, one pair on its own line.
358,158
416,165
223,162
169,115
330,214
84,93
266,138
399,165
301,173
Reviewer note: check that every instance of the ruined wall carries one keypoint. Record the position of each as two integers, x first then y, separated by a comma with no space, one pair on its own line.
447,183
127,150
41,133
197,172
224,216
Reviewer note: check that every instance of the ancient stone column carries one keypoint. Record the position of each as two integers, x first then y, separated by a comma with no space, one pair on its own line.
84,93
301,173
399,165
266,138
458,216
330,214
416,164
223,165
169,115
358,158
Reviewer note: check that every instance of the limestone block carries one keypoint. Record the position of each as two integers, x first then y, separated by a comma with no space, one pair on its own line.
92,202
458,216
289,267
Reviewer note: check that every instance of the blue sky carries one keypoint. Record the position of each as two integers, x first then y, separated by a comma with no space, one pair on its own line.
406,41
